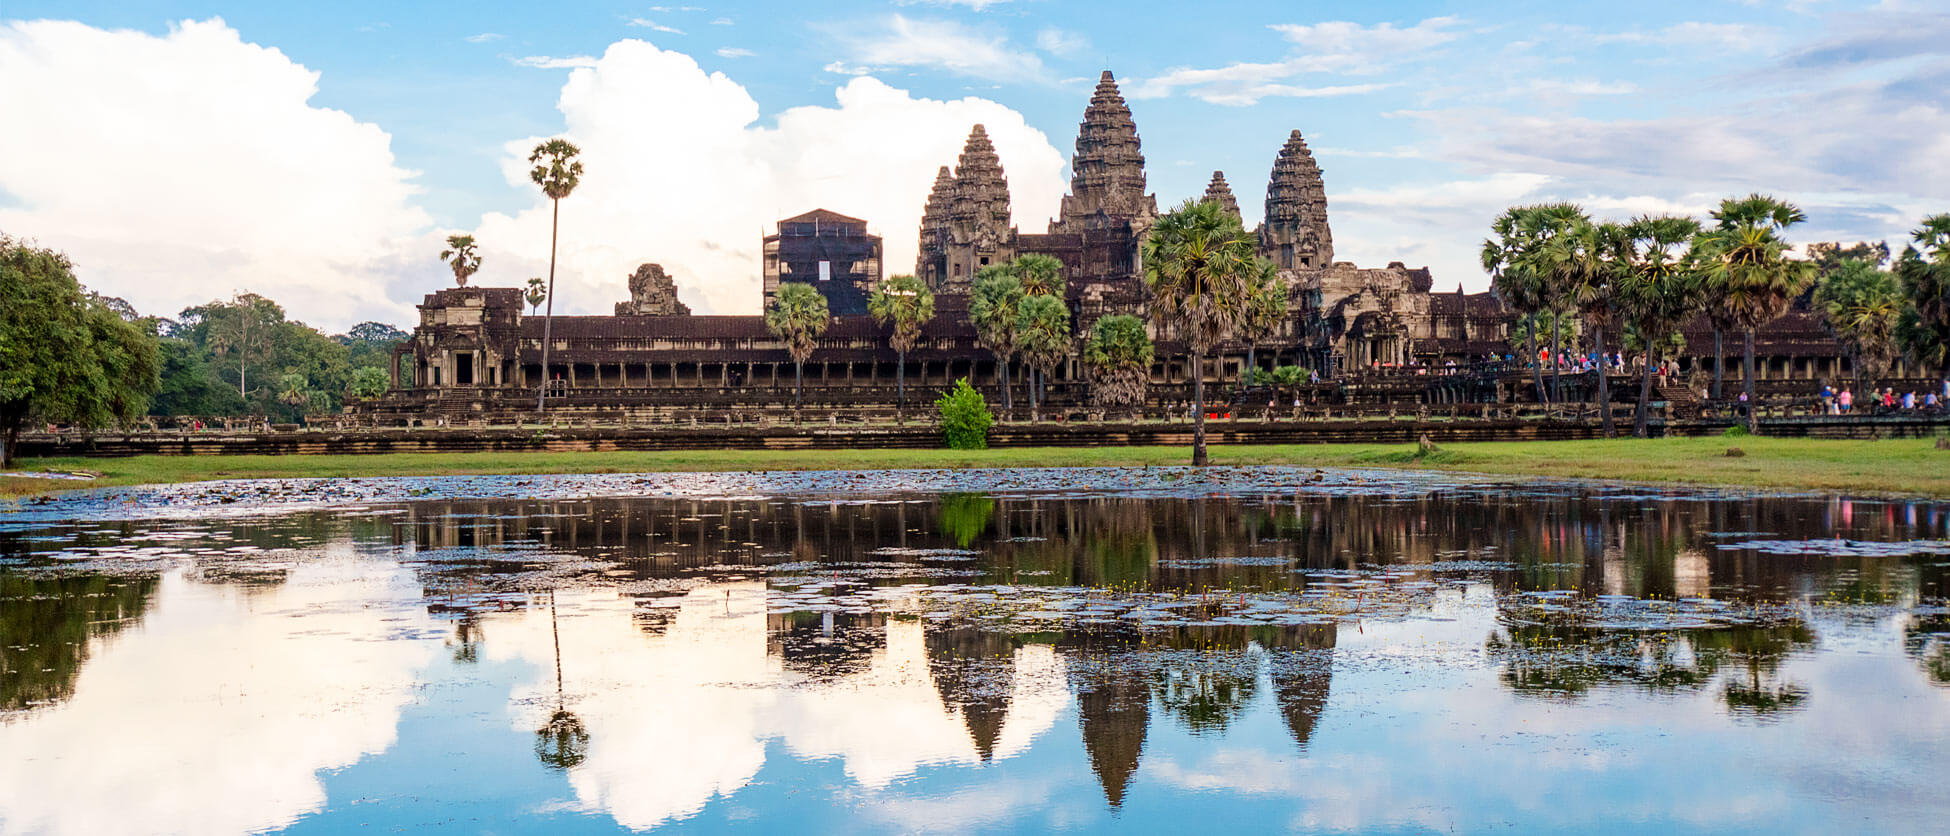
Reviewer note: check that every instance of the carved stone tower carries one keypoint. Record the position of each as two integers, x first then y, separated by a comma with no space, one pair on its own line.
1107,173
931,263
1219,190
978,218
1295,234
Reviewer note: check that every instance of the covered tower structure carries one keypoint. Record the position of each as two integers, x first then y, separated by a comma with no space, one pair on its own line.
1295,233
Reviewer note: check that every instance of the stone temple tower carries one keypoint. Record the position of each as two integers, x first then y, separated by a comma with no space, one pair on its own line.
1221,191
978,231
930,261
1295,234
1107,173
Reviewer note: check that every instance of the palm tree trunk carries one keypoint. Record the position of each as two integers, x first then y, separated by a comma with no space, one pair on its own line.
1029,388
1198,412
798,380
1719,364
900,388
1747,372
1252,365
1645,394
8,439
1557,358
1536,371
1002,379
1604,383
548,320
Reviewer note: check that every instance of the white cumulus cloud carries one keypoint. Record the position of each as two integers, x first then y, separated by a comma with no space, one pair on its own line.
177,168
680,170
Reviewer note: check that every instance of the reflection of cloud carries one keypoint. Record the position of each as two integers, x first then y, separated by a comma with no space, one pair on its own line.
705,687
216,714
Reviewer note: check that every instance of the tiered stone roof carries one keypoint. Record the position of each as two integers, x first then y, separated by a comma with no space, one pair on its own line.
981,201
1221,191
1296,208
1107,173
934,218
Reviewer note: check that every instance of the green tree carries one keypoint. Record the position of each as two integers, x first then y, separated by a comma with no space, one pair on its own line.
1659,290
558,172
797,317
189,385
1924,329
537,292
907,304
965,418
1583,263
1508,259
369,382
994,298
1041,275
1861,304
460,256
293,391
1747,260
239,330
1120,352
1043,337
64,356
1198,265
1265,310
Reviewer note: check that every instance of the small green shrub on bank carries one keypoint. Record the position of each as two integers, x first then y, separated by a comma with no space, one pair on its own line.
965,417
1735,431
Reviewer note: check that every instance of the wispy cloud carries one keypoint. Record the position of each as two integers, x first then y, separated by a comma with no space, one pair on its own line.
977,5
547,62
654,26
668,9
1059,42
723,21
484,37
945,45
1336,47
734,52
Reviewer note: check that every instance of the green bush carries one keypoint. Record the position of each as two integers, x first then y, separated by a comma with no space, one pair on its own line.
965,417
1735,431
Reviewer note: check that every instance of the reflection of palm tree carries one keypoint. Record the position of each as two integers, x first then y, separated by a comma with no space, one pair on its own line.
1927,638
964,516
563,743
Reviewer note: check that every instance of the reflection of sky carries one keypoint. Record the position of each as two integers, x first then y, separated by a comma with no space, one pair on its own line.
215,714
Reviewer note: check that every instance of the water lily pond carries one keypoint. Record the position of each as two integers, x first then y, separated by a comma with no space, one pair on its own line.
1136,650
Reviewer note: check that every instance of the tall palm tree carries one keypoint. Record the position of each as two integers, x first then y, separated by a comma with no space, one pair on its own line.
1748,259
992,304
1120,352
797,317
1659,290
558,172
1543,225
537,291
906,302
1512,280
1925,325
1265,310
1043,337
460,255
1584,262
1041,275
1198,265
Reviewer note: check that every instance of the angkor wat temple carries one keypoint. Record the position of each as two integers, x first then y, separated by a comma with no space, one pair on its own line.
475,353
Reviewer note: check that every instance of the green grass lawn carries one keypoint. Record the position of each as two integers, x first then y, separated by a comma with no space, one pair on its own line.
1900,466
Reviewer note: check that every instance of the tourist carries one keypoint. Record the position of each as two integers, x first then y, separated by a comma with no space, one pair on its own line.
1827,399
1845,400
1889,398
1909,401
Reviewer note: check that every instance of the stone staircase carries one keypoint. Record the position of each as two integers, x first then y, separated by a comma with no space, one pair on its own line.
1681,403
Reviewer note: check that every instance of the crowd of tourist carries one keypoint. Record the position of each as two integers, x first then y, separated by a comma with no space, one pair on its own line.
1884,401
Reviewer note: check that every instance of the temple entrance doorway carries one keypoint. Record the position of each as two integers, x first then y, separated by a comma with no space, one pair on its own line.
464,369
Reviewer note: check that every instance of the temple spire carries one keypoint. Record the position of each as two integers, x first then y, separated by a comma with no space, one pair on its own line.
1295,234
1107,173
934,224
1221,192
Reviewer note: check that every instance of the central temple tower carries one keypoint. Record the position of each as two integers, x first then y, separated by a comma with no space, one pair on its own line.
1107,173
1295,234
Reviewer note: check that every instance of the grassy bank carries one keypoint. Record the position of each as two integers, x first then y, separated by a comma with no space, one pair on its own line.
1901,466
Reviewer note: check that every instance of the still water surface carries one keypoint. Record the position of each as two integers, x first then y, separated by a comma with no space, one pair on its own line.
1136,651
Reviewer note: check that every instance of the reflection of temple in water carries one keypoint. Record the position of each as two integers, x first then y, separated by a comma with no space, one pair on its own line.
974,671
825,645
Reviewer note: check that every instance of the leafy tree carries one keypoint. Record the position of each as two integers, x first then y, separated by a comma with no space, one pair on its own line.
292,390
1120,351
558,172
965,418
1749,268
1265,310
460,255
1041,275
906,302
1508,258
1583,264
797,317
64,356
1199,264
1043,337
1660,289
1290,375
994,298
537,292
1861,304
189,385
369,382
237,330
1924,329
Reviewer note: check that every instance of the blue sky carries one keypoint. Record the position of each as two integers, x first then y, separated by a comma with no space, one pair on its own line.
710,120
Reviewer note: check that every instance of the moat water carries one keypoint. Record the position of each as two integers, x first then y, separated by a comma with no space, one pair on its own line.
1155,650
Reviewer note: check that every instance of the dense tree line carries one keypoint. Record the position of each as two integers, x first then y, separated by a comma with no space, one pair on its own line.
242,356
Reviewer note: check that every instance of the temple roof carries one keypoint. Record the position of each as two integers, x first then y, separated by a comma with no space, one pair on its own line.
1221,191
822,216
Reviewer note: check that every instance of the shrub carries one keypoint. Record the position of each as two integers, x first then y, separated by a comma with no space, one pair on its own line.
965,417
1735,431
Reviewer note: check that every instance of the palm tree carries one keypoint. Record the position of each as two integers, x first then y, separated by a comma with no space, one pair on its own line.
1748,259
537,291
1041,275
563,742
1265,310
558,172
994,298
797,317
1513,281
460,255
1584,262
1043,337
1925,325
1558,285
1198,264
1659,290
906,302
1861,305
1120,352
